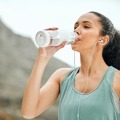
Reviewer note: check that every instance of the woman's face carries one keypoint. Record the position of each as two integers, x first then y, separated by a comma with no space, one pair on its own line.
88,29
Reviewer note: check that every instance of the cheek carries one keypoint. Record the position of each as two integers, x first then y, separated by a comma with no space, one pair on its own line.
89,39
90,36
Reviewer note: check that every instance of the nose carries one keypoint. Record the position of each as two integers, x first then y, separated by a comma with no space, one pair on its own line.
77,33
77,30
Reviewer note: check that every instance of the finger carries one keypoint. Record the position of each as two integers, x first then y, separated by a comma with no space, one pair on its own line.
53,28
61,45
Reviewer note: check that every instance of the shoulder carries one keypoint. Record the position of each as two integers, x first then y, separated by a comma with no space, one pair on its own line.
62,72
116,83
57,77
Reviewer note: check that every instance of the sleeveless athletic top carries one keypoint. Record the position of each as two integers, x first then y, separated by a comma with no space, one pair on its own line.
96,105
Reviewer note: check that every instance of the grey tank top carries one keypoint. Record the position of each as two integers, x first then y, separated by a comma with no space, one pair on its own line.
96,105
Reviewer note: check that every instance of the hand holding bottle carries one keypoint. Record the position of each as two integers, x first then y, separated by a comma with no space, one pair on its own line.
49,51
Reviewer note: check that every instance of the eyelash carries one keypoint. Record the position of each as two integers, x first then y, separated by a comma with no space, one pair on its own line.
75,27
87,27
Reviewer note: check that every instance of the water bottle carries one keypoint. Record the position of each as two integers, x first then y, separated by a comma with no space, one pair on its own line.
46,38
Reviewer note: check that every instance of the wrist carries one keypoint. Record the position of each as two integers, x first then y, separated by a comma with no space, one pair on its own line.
44,54
42,59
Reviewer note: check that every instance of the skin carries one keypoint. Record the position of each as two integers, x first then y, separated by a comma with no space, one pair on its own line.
36,99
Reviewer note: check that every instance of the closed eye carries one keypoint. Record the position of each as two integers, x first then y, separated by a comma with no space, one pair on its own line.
76,25
86,26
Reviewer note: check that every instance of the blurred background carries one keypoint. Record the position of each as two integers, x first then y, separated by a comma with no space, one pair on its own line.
19,22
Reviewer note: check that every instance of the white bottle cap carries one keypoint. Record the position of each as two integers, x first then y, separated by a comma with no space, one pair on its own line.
42,38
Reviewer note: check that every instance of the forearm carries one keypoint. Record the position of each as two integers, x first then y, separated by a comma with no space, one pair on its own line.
31,97
32,90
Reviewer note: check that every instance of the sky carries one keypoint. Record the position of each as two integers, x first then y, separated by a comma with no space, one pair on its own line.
27,17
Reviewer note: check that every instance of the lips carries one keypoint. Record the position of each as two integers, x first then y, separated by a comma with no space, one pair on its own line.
77,40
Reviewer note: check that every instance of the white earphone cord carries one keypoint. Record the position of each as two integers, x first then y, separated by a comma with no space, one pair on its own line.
88,69
74,61
78,116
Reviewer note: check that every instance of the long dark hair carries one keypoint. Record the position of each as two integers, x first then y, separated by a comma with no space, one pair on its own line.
111,52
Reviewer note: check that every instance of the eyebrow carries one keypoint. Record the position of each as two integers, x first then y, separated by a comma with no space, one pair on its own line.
83,22
77,23
87,22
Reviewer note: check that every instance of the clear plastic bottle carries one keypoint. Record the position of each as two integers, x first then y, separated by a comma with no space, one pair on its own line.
46,38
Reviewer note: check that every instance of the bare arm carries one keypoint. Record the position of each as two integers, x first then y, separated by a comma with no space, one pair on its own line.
36,100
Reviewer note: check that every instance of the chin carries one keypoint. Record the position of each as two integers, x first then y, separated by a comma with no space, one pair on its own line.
74,47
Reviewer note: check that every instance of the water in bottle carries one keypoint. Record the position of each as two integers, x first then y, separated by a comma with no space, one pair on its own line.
46,38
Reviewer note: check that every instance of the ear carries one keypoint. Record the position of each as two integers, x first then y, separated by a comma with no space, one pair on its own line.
105,40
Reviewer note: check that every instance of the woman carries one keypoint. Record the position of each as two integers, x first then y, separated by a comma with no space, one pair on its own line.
89,92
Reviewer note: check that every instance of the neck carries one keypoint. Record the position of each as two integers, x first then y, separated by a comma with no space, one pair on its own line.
92,63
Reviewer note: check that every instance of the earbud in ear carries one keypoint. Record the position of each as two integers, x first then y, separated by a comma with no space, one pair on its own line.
101,41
